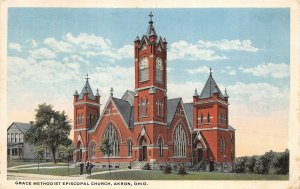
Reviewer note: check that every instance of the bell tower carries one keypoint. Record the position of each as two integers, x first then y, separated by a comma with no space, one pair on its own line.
86,113
150,54
150,101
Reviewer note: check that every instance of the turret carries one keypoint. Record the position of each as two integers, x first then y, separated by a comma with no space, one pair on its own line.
76,95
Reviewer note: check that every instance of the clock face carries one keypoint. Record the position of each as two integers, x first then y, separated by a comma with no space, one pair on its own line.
144,63
159,64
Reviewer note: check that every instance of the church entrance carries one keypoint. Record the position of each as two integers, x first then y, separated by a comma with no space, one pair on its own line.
143,149
199,152
79,152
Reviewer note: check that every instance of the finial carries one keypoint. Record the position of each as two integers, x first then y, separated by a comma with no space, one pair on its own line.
196,93
87,77
225,94
97,94
150,15
210,72
111,91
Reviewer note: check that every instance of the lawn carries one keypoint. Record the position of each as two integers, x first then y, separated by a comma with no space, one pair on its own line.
17,163
55,171
29,164
159,175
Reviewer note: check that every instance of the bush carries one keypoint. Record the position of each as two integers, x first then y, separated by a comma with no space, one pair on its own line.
249,164
147,167
261,165
167,169
281,164
239,165
182,170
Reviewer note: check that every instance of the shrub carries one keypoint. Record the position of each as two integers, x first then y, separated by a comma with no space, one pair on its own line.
167,169
182,170
147,167
249,164
239,165
261,165
281,164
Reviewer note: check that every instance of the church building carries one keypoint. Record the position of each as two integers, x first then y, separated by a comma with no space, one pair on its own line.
145,126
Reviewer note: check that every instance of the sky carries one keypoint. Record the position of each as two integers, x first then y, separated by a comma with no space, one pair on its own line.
50,51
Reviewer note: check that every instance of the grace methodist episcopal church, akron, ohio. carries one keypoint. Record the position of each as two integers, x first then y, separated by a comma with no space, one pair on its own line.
144,126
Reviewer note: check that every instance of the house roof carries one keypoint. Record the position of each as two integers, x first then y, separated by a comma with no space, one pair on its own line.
23,127
129,97
87,89
209,88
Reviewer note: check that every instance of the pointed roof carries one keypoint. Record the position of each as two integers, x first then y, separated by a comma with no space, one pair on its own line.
172,106
87,89
75,93
209,88
188,107
125,109
129,97
151,31
23,127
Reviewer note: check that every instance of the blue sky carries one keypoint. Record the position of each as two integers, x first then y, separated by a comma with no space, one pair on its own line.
51,50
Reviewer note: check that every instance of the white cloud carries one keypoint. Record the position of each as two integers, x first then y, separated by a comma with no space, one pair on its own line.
58,46
281,70
185,50
202,69
42,53
258,97
15,46
229,70
33,43
41,71
226,45
184,90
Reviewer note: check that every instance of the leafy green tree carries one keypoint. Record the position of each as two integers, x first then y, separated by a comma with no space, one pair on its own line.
65,151
51,129
281,164
250,163
239,165
261,165
39,152
106,149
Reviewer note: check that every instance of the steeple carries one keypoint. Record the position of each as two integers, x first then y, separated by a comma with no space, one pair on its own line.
87,90
151,31
210,87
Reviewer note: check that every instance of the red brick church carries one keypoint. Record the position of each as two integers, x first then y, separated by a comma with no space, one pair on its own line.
145,126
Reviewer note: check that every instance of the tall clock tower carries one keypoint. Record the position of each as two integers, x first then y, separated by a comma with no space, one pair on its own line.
150,102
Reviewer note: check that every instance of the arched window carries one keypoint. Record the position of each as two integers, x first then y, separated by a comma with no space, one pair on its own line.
220,145
140,107
146,106
208,118
93,149
159,70
129,144
112,134
179,141
201,119
224,145
160,146
144,69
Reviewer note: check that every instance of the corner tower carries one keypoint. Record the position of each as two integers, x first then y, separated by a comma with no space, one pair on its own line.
86,113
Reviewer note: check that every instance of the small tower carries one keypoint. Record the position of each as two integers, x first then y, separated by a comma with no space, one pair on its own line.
86,113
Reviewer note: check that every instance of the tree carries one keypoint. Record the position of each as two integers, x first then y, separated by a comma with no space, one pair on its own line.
239,165
261,165
65,151
281,163
106,149
39,151
51,129
250,163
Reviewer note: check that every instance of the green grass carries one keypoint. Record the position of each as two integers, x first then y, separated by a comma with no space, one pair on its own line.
17,163
159,175
55,171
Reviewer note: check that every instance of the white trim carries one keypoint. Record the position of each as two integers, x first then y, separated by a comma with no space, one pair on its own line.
214,128
149,122
148,87
80,129
90,103
186,117
211,101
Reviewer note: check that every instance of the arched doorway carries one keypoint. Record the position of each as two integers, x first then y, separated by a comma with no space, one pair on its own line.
79,152
143,149
199,151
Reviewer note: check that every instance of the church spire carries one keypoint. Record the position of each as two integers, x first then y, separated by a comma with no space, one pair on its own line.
151,31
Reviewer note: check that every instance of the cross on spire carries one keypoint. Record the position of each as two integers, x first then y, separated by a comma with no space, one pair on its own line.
87,77
210,72
151,15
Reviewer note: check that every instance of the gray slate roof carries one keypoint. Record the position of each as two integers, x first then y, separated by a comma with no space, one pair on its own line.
151,31
129,97
23,127
126,110
209,88
87,87
189,112
171,108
